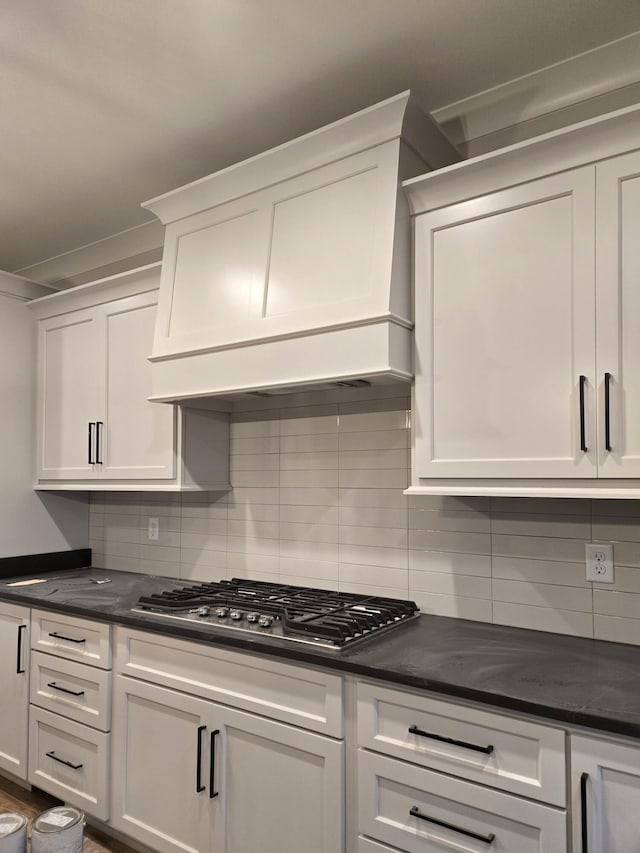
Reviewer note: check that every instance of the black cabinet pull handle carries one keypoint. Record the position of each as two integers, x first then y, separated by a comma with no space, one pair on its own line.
62,637
607,411
99,425
90,458
583,812
583,440
487,750
199,786
65,689
62,761
212,767
488,839
19,668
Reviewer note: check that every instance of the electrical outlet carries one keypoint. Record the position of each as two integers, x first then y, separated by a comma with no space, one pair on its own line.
599,563
154,529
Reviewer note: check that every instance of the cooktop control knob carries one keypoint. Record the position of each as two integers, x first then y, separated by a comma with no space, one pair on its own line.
222,611
203,611
236,614
265,621
253,616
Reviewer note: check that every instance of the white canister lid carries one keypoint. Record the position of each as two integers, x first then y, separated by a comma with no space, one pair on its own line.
11,822
57,819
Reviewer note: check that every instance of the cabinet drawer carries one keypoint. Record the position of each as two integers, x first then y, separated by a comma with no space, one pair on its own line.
291,694
408,806
75,690
366,845
69,760
526,758
72,638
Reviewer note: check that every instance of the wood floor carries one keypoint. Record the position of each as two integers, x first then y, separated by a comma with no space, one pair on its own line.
30,803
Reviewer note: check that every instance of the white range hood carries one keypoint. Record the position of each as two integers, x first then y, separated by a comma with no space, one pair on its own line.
291,270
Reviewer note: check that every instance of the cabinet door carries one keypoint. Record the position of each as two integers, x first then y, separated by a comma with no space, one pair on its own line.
618,315
138,437
505,319
279,789
159,793
14,688
606,796
71,394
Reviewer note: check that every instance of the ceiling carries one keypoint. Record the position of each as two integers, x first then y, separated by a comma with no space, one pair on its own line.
106,103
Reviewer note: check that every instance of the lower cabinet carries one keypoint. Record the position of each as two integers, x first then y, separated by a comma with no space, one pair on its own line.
605,780
14,688
192,775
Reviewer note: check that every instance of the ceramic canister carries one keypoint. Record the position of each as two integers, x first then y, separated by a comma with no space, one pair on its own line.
58,830
13,832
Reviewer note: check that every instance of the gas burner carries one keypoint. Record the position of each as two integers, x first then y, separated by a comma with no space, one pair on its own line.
295,613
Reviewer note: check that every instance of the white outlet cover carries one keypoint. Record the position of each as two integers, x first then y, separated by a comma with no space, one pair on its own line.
599,560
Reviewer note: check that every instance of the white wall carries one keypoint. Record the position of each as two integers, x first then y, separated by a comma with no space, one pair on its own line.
30,522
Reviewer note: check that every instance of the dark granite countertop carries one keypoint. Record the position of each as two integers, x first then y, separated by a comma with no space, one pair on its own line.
571,680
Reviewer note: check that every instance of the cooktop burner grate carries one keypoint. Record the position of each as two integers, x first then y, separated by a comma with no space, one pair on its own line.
304,614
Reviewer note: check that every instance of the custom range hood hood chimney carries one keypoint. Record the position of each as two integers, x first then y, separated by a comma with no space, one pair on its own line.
291,270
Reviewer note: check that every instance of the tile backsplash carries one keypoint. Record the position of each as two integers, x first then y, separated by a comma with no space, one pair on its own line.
317,500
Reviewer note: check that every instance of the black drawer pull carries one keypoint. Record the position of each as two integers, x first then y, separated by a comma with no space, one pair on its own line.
607,411
90,458
19,668
487,750
583,812
65,689
62,637
212,767
99,425
488,839
199,786
62,761
583,438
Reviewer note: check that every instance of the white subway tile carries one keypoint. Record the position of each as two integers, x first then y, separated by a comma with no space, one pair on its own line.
204,573
383,439
478,609
377,402
309,479
197,558
543,595
613,603
386,537
244,426
468,543
371,459
253,495
305,580
160,568
307,571
449,520
309,425
373,517
449,503
321,459
204,541
259,444
543,619
374,478
157,551
538,548
309,496
254,512
252,565
617,508
309,514
451,562
617,629
255,479
322,551
441,583
204,525
253,462
121,549
304,532
374,556
624,529
379,576
372,421
558,526
247,545
626,554
253,528
540,571
371,589
542,506
377,498
315,443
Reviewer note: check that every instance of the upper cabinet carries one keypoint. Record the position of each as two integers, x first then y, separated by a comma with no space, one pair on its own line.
293,268
97,429
528,318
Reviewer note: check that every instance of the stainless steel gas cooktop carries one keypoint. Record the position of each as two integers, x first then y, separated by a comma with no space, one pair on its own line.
294,613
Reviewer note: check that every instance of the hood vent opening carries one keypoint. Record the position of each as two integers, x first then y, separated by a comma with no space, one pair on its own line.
321,386
292,268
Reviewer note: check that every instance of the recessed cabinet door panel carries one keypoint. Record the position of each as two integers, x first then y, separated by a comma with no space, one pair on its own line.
504,330
280,789
138,442
618,315
14,688
155,770
72,394
608,796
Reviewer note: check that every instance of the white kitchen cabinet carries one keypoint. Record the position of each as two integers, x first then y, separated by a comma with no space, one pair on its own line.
97,428
527,313
192,775
14,688
605,782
